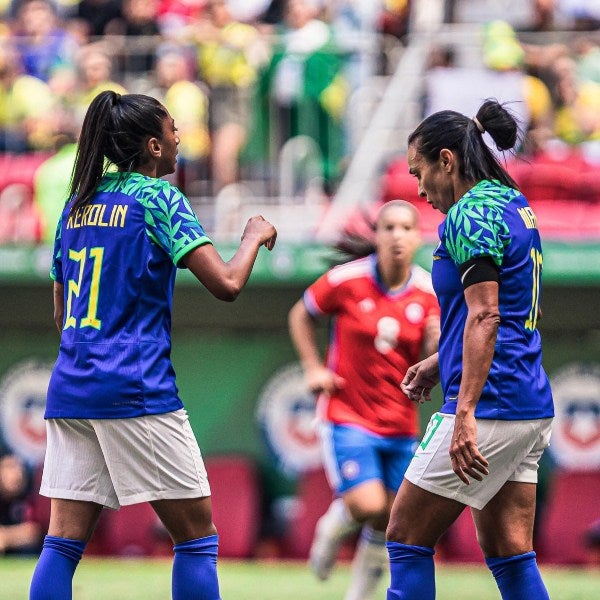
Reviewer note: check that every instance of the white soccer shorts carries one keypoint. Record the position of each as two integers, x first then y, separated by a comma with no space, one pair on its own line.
512,448
117,462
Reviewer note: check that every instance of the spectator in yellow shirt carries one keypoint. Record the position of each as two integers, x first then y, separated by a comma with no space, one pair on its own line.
229,54
26,107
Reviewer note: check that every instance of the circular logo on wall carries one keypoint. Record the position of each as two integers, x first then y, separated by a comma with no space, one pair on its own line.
23,391
286,414
575,439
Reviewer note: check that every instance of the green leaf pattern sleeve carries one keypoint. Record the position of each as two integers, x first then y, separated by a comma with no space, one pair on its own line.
475,227
171,222
56,268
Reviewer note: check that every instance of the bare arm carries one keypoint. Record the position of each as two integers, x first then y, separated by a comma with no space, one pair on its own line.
421,378
59,305
302,332
431,336
225,280
479,339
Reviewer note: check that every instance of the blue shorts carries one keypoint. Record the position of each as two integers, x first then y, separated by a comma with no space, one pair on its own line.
353,455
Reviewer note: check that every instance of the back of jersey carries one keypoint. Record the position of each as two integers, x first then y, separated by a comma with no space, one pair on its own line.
116,259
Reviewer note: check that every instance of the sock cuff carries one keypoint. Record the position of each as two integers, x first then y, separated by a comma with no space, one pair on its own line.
499,561
72,549
208,545
398,551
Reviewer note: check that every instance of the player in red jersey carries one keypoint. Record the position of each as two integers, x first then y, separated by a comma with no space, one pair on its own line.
384,315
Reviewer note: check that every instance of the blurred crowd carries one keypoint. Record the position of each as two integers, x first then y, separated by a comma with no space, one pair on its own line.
560,81
241,77
203,58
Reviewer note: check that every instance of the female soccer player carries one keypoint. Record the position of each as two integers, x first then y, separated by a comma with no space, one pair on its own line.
117,431
385,316
483,447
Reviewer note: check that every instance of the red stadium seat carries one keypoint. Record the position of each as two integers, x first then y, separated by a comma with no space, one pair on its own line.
236,503
134,531
571,508
314,497
19,219
101,542
459,544
398,184
20,168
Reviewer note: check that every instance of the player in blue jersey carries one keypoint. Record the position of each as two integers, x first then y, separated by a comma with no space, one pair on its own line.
483,447
117,430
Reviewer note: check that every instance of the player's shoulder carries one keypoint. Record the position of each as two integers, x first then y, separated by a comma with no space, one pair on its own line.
486,196
421,279
139,186
351,271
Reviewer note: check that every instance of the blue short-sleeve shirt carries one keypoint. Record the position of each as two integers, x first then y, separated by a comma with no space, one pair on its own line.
117,258
495,221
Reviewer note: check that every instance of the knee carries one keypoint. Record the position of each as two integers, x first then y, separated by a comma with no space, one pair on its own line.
396,531
505,542
372,511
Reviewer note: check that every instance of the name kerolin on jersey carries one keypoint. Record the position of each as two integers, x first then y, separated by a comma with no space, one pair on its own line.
96,215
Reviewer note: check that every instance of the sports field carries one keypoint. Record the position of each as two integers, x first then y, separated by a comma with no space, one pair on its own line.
98,579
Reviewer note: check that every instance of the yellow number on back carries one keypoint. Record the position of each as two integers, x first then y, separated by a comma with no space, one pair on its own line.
74,288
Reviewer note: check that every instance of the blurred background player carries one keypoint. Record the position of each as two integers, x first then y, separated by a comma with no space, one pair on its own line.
117,432
385,315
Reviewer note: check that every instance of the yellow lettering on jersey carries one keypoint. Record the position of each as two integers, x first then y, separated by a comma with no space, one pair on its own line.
528,217
94,215
117,216
86,212
101,222
77,221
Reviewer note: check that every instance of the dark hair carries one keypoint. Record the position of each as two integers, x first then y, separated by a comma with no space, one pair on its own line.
115,127
357,239
463,135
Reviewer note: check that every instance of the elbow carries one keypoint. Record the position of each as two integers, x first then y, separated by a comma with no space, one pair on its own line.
227,293
489,320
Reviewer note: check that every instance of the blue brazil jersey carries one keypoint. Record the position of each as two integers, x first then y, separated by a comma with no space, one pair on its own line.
496,221
117,258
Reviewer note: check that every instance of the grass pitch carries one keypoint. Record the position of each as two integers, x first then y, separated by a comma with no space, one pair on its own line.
139,579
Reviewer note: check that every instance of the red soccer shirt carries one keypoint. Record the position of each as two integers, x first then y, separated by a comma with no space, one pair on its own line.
376,335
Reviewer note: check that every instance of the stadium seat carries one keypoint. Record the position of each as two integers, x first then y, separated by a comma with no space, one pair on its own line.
134,531
459,543
571,508
398,183
313,497
20,168
19,219
236,503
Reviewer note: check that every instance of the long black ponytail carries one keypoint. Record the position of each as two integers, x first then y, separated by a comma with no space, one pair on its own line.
116,127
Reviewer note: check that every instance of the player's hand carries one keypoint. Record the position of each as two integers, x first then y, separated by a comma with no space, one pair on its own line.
322,379
259,228
465,457
421,378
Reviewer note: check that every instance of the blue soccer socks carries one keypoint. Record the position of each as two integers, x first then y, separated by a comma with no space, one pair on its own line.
195,569
518,577
53,575
412,572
